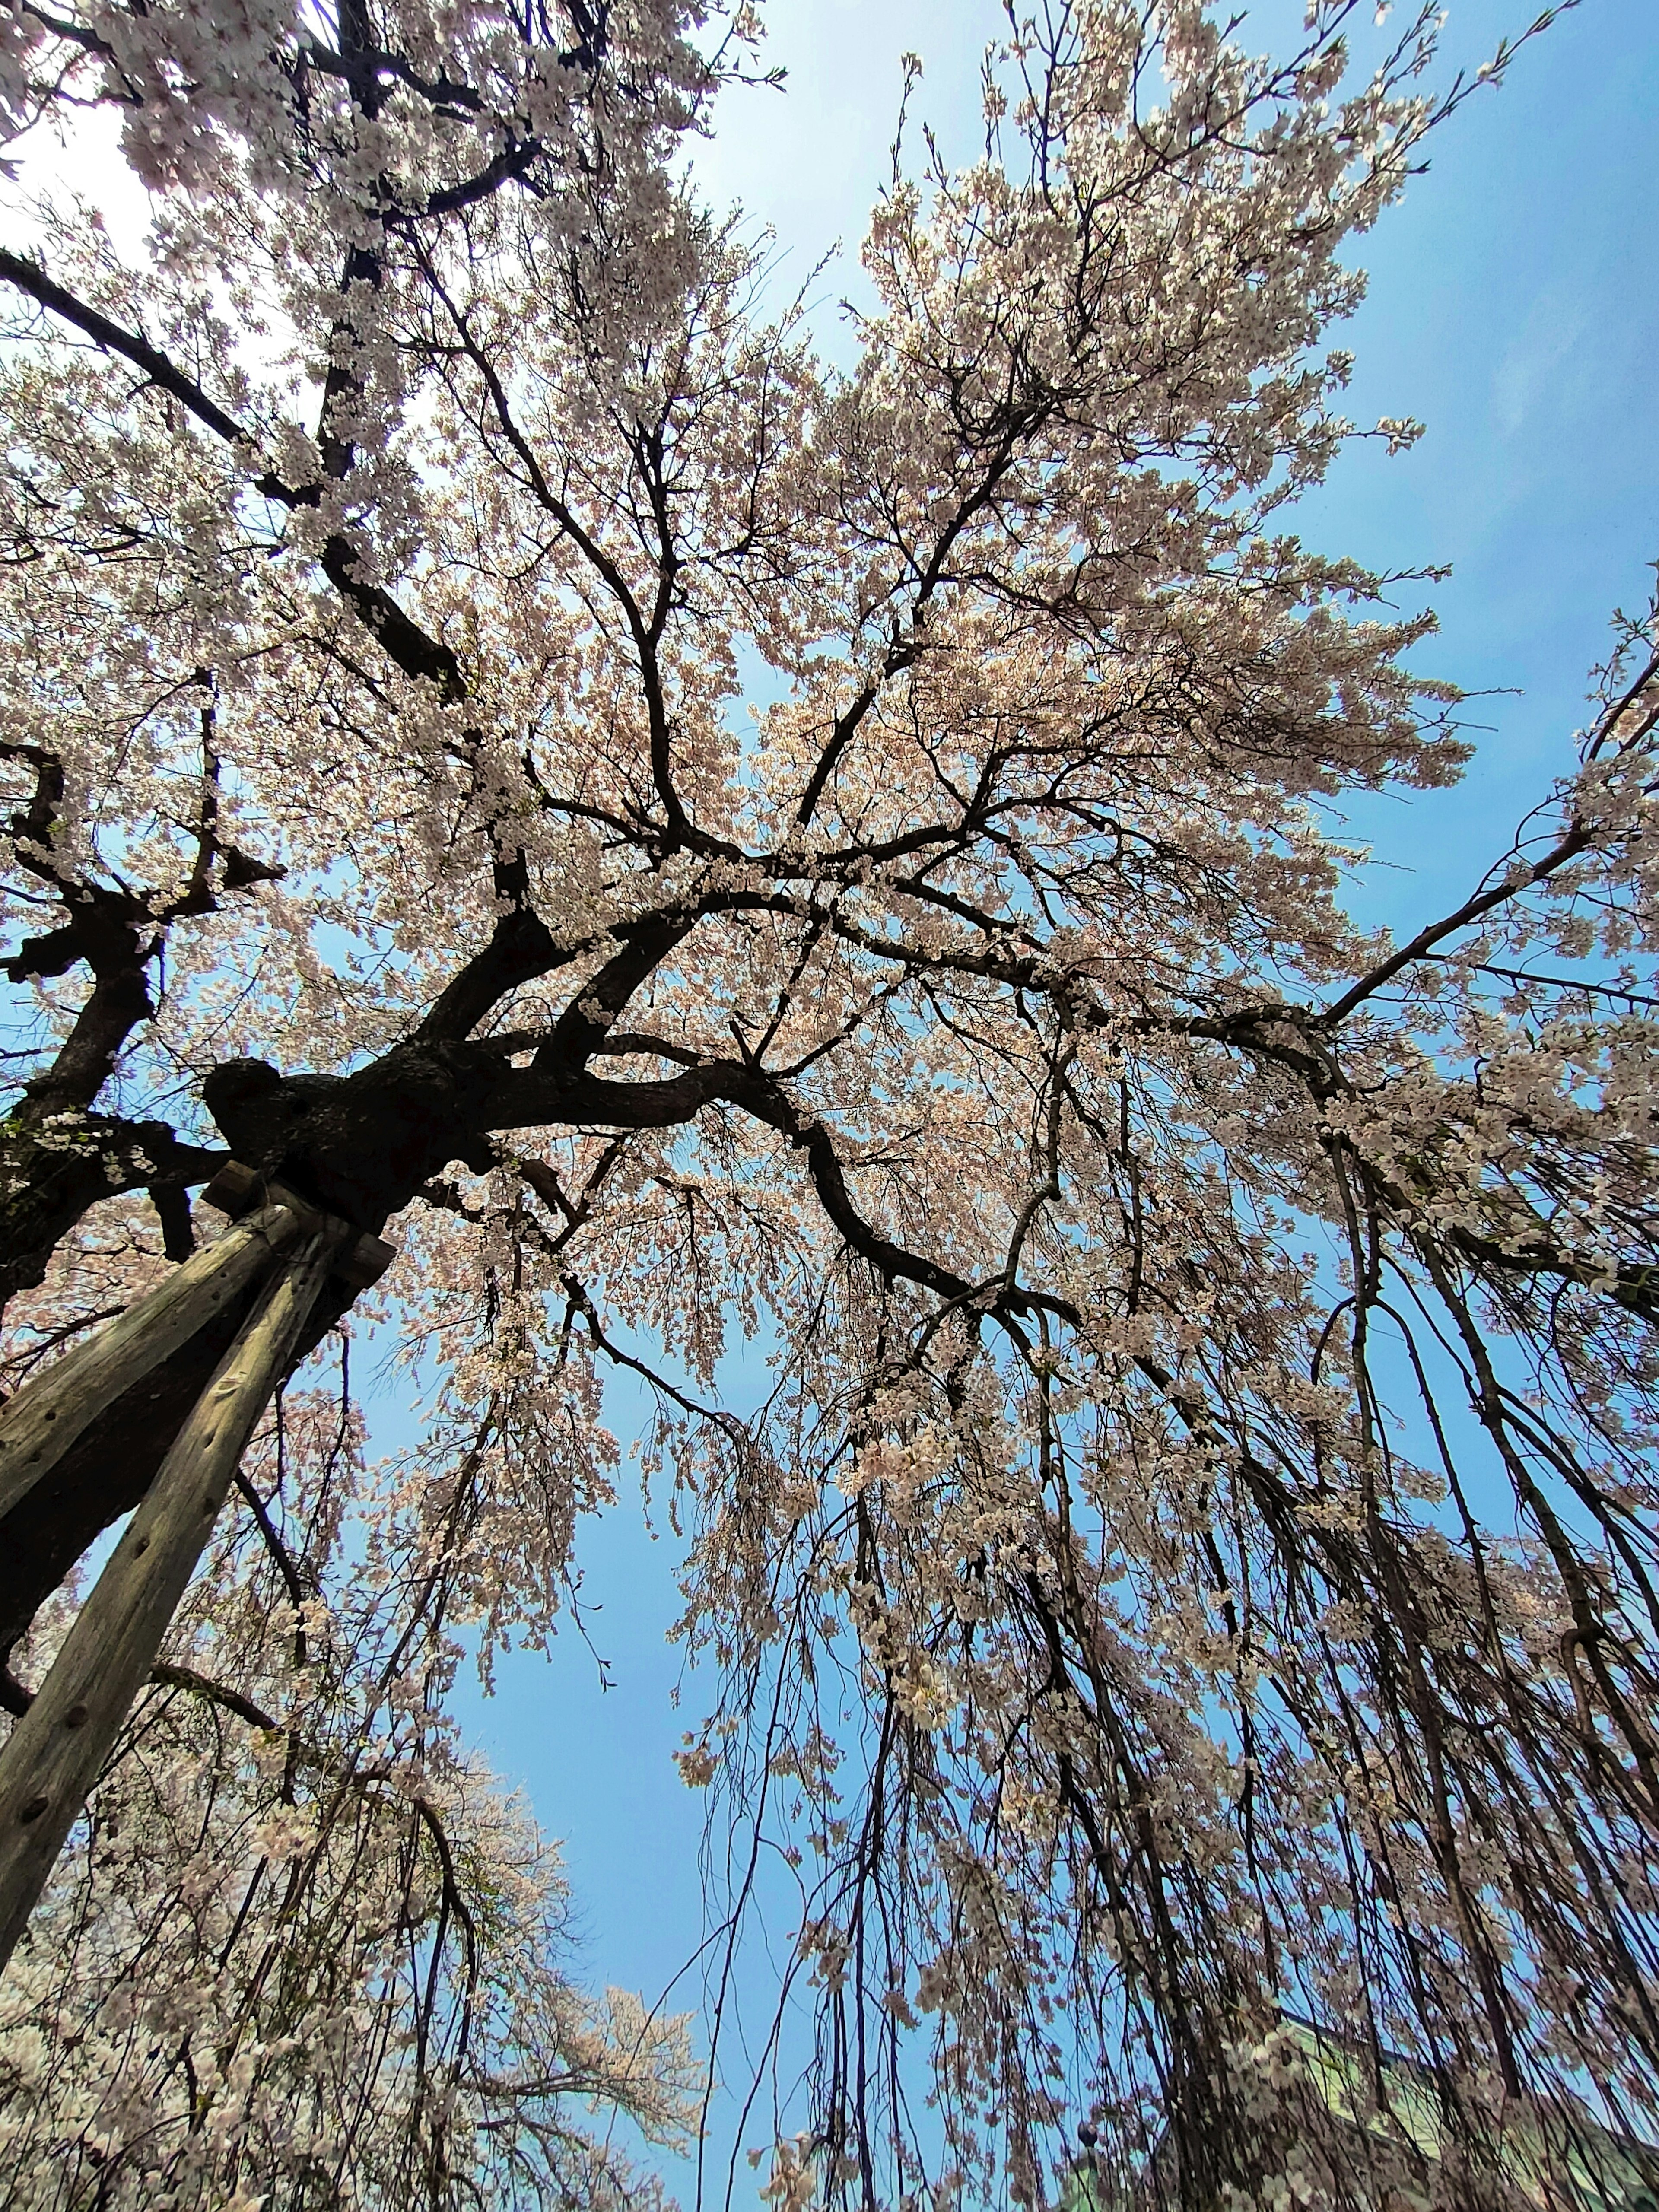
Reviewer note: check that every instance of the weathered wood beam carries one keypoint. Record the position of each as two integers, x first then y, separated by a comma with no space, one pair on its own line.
360,1261
109,1466
40,1422
56,1750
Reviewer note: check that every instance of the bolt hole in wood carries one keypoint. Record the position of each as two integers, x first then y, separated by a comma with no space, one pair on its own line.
75,1717
33,1809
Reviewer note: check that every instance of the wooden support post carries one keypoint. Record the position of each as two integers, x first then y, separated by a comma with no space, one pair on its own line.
39,1422
362,1260
57,1749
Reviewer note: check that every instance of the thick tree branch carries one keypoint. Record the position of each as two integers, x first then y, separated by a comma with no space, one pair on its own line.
520,948
109,337
404,642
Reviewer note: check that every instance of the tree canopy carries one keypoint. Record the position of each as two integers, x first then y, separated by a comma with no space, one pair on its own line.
505,742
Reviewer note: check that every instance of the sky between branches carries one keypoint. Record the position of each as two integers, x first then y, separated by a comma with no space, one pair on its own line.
1514,310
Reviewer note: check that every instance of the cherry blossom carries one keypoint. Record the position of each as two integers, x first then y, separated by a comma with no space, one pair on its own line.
689,845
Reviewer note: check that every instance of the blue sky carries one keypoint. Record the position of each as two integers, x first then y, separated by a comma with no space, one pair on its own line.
1513,308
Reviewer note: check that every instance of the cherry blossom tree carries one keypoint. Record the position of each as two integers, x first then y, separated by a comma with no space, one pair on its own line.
511,754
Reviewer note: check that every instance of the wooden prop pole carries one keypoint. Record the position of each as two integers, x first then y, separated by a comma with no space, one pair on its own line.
40,1422
57,1749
